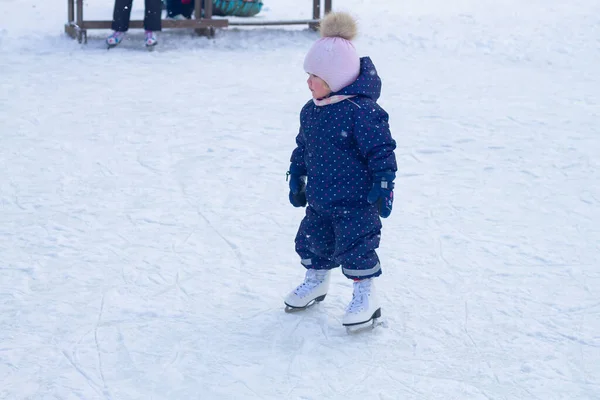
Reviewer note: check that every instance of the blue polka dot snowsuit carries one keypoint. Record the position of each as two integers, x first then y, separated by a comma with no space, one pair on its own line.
339,147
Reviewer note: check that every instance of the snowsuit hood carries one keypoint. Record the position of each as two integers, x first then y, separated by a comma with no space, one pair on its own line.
368,83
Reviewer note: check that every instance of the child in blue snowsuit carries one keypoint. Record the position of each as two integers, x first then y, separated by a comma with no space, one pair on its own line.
343,167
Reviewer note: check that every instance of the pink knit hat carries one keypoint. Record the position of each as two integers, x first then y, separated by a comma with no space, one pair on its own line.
333,57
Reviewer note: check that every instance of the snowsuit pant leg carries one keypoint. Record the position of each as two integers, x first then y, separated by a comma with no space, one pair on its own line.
315,240
122,15
153,15
176,7
173,8
187,10
357,235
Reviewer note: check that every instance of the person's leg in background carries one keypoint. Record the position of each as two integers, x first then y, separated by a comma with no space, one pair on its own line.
152,21
187,8
174,9
153,15
121,15
120,22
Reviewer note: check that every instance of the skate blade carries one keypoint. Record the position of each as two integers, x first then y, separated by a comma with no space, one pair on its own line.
365,326
292,309
376,314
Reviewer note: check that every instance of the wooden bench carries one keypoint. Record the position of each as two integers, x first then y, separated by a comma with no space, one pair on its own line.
77,26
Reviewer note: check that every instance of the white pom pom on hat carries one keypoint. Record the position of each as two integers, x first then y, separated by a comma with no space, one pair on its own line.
333,57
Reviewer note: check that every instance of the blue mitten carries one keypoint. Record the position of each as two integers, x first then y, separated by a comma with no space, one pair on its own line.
382,192
297,181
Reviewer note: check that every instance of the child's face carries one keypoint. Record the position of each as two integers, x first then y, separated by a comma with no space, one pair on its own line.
318,87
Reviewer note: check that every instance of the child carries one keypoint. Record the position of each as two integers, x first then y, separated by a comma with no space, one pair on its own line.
343,167
122,16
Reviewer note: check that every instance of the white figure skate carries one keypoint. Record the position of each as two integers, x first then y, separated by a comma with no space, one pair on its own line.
311,291
364,310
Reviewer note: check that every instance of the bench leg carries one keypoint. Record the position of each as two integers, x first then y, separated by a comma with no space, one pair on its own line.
209,32
79,13
71,31
69,26
70,11
82,36
81,32
208,12
316,15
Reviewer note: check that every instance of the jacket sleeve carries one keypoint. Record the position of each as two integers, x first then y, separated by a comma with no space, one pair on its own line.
372,133
298,165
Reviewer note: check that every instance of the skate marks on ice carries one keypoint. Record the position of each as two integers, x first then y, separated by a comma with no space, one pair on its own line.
314,347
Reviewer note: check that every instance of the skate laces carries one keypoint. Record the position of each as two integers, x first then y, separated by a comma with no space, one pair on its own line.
360,296
312,279
150,36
